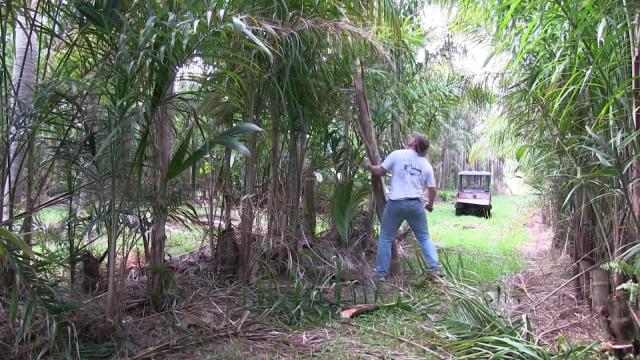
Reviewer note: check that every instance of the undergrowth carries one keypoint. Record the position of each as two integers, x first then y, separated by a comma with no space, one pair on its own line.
460,318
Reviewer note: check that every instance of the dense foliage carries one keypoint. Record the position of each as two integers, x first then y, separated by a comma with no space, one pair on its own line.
571,104
134,116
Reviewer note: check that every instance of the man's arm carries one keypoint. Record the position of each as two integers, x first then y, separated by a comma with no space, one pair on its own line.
381,169
431,196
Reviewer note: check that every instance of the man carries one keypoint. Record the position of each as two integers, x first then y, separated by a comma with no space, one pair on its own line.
411,175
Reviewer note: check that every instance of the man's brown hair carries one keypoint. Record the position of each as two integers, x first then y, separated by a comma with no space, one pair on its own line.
422,144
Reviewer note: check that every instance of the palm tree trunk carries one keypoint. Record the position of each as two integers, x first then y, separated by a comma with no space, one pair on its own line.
309,222
248,212
275,194
211,213
23,81
71,228
294,182
247,218
112,235
227,199
443,168
163,143
27,225
371,146
635,72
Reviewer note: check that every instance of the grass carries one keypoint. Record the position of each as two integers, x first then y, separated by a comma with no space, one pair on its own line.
53,214
487,249
453,318
484,250
179,240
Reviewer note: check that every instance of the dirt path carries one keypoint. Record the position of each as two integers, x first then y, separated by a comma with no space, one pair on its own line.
542,237
561,314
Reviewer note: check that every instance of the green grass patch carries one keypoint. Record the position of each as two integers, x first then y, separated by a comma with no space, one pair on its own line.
179,240
53,214
483,249
503,232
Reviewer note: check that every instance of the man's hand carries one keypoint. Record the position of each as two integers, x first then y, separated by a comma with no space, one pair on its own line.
431,196
376,170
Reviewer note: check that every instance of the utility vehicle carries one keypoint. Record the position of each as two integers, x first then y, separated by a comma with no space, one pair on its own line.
474,193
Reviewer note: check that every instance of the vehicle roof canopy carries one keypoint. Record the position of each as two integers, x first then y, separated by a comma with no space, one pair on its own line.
485,173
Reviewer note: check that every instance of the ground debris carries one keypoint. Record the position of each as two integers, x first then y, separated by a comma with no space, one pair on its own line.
561,313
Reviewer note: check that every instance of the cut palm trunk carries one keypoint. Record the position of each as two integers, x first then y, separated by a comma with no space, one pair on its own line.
227,255
371,146
585,281
599,288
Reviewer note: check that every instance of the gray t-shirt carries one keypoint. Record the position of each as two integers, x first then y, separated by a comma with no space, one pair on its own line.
411,174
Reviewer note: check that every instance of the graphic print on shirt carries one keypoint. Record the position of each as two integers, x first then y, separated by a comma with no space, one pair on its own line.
412,170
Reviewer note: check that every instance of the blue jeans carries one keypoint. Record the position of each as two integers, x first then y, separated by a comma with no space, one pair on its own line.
395,212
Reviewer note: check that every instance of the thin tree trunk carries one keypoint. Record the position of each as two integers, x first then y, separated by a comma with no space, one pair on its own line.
371,146
227,199
344,174
275,195
635,72
27,224
163,143
25,99
294,181
4,177
71,230
440,179
211,213
309,221
23,82
112,235
248,212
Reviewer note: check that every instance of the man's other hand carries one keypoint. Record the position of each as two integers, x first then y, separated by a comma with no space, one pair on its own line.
429,207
